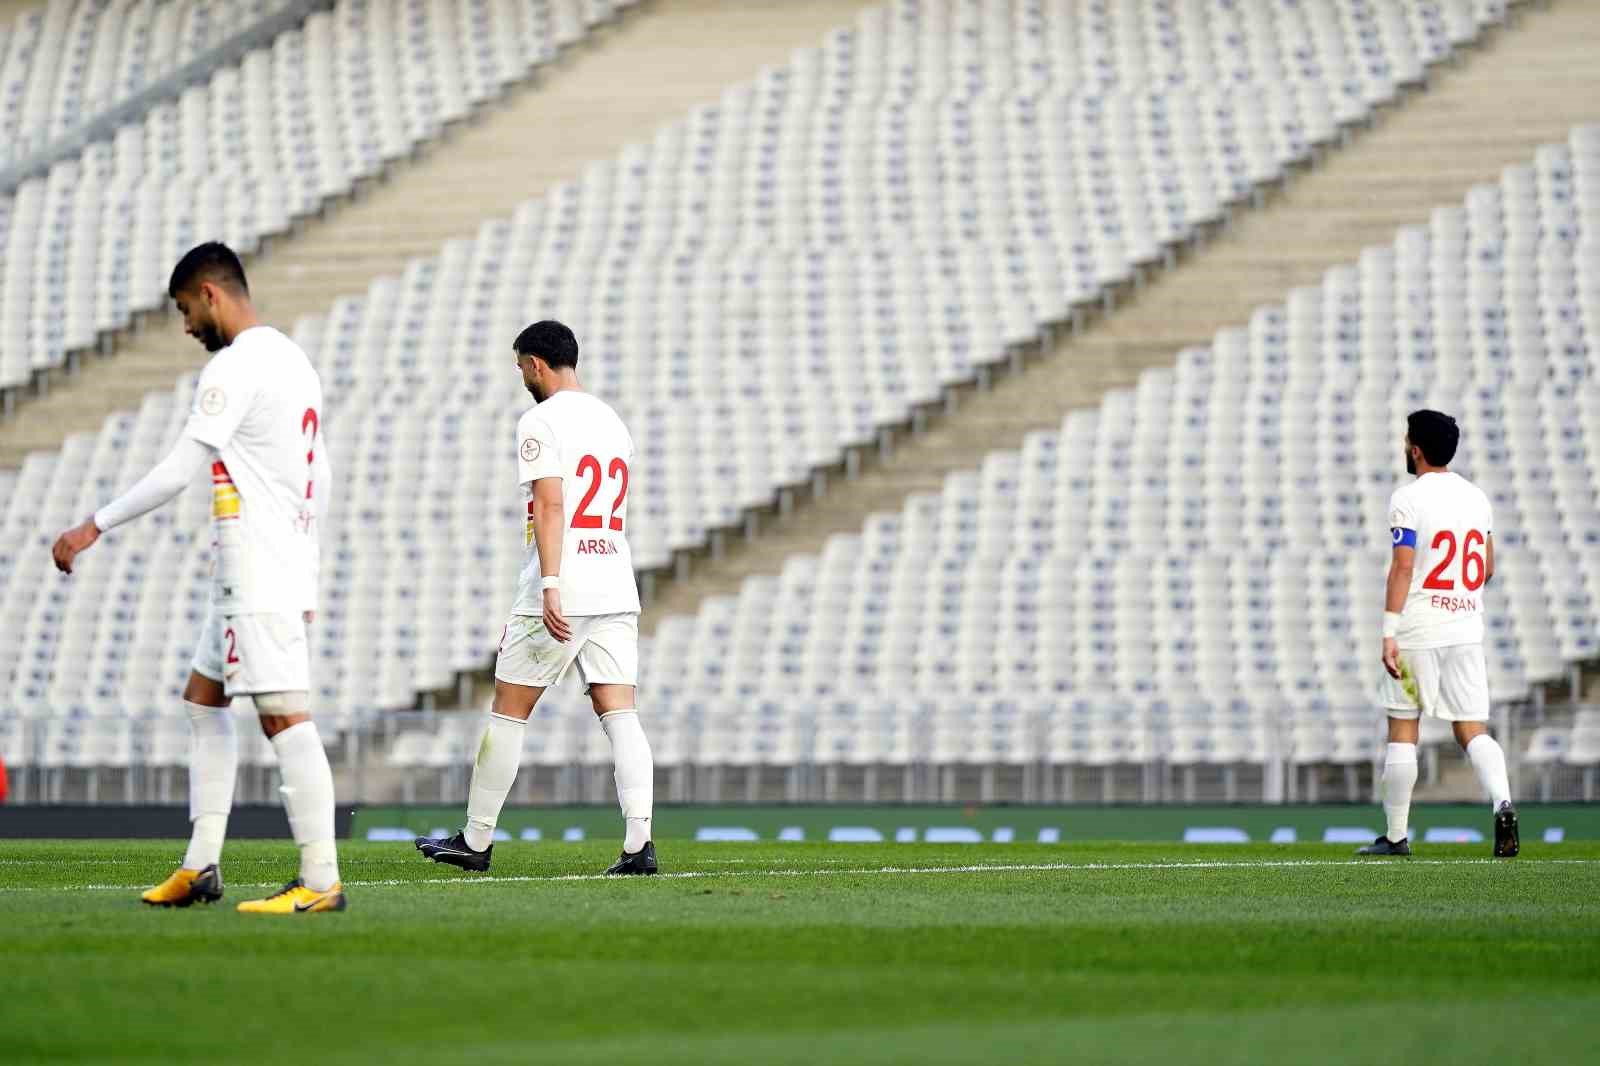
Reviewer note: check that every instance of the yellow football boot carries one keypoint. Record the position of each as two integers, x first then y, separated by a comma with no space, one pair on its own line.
296,898
185,887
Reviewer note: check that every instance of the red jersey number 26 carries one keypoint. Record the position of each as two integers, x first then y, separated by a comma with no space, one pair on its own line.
1474,566
589,467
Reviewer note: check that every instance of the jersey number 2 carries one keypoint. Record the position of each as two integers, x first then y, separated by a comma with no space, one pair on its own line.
1472,577
308,426
589,467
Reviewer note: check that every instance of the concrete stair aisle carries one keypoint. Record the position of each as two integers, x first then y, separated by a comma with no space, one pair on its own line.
623,82
1524,86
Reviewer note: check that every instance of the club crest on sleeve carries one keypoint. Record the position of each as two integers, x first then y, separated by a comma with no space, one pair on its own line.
213,401
530,450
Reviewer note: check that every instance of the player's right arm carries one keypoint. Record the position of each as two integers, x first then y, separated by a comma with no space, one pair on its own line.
164,481
539,472
548,514
221,398
1402,563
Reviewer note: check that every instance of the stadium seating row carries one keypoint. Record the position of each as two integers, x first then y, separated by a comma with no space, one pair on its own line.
259,145
710,379
1221,514
66,60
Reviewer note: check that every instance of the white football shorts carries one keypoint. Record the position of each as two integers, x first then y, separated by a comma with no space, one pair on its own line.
1447,683
254,653
605,648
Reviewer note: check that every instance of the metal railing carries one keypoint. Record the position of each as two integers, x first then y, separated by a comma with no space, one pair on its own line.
373,764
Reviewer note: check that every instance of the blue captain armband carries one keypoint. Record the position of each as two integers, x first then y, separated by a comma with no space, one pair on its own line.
1403,538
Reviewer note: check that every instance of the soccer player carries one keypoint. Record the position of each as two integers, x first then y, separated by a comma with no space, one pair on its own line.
1441,528
256,425
576,601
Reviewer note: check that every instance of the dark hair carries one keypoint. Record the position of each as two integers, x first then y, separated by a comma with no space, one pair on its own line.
550,341
212,261
1435,433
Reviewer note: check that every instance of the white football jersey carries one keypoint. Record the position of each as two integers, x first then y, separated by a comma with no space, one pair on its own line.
259,404
1448,520
578,438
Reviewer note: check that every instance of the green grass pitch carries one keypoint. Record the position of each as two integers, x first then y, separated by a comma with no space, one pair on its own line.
810,953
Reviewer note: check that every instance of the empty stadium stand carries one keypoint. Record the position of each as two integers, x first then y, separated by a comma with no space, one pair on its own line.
260,145
1172,580
637,72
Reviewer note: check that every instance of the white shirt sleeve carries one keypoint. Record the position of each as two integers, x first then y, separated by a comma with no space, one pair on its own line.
221,398
536,450
1402,515
164,481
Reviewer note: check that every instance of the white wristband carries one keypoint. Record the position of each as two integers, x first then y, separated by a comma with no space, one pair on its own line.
1391,624
551,581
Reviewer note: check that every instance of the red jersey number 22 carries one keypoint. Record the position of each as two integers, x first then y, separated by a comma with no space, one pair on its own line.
589,467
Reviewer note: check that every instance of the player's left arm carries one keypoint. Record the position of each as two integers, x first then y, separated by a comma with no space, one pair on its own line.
164,481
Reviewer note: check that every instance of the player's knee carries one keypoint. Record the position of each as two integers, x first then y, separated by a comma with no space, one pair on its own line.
283,704
1403,730
1467,732
514,701
205,691
278,711
608,698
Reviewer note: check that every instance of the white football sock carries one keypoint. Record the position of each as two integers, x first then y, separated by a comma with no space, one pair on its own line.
1489,761
307,791
635,774
1399,778
493,773
213,765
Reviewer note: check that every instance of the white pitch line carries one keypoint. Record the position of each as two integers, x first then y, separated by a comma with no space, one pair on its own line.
869,871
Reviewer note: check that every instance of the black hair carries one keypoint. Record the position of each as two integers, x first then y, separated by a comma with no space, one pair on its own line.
550,341
1435,433
212,261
